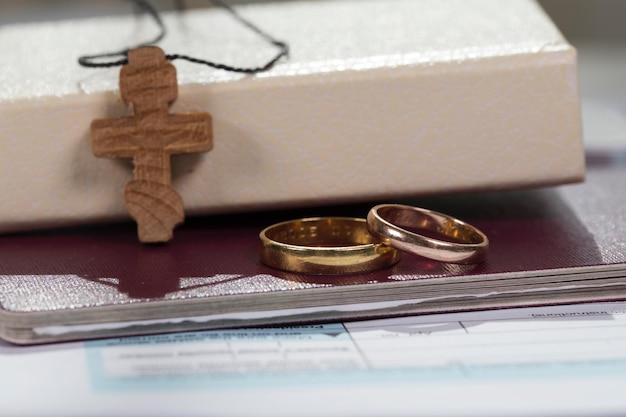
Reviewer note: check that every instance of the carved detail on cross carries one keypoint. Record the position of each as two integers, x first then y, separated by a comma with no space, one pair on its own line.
150,137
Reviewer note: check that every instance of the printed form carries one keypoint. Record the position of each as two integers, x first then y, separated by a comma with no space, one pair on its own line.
567,360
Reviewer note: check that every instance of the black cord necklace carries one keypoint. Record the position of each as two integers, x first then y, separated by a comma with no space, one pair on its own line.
121,57
152,134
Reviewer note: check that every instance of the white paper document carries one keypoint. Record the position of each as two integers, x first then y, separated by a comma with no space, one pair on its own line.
568,360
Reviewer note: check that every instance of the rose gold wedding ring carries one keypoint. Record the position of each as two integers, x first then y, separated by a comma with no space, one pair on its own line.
400,226
325,245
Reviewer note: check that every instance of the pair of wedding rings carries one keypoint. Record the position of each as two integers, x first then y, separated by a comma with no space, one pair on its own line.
344,245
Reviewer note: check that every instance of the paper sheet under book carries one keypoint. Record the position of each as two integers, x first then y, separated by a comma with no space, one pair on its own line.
540,361
548,246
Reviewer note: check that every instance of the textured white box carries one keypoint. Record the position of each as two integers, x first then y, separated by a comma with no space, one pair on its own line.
379,98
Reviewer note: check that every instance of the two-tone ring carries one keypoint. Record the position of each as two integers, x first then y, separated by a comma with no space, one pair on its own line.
341,245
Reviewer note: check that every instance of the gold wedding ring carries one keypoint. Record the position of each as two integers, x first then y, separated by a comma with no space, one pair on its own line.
397,225
325,245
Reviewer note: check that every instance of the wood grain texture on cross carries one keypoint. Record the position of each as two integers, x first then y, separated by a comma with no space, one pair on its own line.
150,137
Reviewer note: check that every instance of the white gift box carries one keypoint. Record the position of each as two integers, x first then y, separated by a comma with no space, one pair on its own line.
378,99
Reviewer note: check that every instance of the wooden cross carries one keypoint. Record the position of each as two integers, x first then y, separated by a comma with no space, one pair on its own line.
150,137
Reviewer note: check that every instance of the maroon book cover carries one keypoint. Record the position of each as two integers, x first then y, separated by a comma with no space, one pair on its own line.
547,246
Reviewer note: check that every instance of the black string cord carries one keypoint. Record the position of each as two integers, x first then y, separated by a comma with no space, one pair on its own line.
91,61
94,61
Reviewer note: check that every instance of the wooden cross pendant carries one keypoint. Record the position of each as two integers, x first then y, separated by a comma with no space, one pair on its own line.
150,137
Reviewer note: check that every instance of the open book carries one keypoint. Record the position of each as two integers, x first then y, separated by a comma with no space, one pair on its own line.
547,246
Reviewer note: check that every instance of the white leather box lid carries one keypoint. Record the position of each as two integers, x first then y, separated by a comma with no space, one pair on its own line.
378,99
